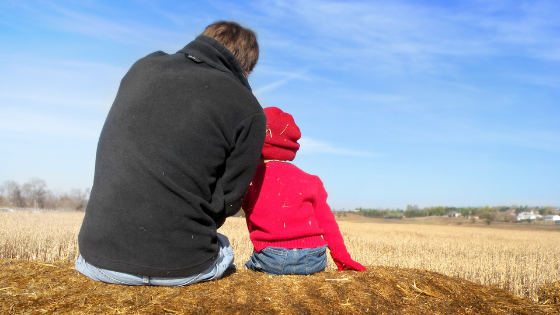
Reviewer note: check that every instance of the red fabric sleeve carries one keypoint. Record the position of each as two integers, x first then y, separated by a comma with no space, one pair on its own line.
331,232
328,223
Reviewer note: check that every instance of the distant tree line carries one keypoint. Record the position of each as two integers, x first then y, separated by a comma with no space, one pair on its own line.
382,213
486,212
35,194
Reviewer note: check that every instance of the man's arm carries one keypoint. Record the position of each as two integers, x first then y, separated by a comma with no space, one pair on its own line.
240,166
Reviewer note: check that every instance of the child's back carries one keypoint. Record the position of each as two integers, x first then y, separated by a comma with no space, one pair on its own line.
290,207
289,220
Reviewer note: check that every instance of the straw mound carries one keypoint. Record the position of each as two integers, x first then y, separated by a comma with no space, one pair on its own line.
550,293
42,288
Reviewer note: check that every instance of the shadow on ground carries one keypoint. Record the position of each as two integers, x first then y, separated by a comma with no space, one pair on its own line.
56,288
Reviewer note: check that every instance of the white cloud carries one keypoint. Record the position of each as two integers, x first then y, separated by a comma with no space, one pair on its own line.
311,146
402,37
286,77
464,132
15,121
93,19
53,100
534,139
38,82
542,80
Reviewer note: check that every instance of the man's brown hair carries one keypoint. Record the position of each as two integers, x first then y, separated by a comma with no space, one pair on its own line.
241,41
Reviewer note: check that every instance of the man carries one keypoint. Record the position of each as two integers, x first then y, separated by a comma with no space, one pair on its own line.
177,152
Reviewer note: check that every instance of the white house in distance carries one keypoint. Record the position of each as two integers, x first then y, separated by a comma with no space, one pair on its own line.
527,216
552,217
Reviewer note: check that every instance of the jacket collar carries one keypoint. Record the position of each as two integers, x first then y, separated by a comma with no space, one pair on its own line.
215,55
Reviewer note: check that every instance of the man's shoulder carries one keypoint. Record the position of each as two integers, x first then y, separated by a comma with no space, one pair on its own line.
153,56
150,60
158,53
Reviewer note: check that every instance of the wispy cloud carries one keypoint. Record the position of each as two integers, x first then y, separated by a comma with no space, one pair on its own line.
534,139
52,100
94,20
59,67
402,37
312,146
286,77
50,83
15,121
369,97
180,14
459,131
542,80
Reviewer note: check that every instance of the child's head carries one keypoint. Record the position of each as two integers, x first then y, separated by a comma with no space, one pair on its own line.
282,135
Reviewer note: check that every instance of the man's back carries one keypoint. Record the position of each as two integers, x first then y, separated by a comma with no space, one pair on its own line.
177,150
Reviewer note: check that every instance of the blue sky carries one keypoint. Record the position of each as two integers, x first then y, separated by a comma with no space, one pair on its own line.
421,102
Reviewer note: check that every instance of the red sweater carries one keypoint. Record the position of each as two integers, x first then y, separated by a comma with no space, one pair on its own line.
286,207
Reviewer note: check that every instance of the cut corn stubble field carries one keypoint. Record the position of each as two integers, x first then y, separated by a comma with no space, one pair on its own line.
518,261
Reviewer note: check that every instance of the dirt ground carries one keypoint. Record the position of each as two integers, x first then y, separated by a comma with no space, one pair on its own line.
56,288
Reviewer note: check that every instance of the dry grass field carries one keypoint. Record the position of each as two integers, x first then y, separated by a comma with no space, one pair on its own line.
48,236
518,261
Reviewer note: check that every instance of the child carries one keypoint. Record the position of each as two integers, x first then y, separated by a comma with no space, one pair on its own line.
289,220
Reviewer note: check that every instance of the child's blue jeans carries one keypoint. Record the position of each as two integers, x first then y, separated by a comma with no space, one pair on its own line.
223,262
281,261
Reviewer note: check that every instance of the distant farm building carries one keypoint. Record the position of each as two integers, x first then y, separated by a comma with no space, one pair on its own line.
527,216
552,217
453,214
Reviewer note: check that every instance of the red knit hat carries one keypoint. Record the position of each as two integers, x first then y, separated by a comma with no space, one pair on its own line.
282,135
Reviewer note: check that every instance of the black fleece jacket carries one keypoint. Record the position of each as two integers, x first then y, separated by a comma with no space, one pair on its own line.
177,152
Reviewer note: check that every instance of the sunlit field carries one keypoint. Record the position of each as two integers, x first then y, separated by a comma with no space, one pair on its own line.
520,261
48,236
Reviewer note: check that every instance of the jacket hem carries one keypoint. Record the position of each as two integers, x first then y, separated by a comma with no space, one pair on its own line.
144,270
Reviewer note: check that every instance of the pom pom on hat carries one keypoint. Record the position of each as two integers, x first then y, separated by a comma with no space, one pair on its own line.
282,135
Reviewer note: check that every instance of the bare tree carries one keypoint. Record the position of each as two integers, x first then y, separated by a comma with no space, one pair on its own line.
34,193
26,191
17,197
2,190
7,188
37,191
14,194
79,198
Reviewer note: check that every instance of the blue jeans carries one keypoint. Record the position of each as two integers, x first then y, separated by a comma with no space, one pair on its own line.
281,261
223,262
